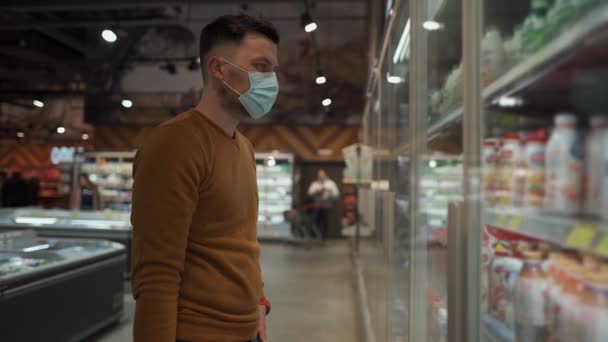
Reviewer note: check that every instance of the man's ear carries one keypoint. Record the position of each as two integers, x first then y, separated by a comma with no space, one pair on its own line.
215,67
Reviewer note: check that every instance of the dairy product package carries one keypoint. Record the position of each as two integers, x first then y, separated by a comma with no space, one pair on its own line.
564,167
594,155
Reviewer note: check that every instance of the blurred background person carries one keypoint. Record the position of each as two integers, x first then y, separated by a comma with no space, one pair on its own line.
324,193
33,191
86,195
15,191
3,177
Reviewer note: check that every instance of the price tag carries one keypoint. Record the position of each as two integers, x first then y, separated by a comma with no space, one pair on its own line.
602,247
501,220
581,235
515,222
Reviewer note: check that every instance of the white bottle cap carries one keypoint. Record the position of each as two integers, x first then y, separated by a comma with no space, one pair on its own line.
598,121
565,119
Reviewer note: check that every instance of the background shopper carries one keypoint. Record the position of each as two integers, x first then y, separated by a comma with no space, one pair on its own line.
324,193
86,196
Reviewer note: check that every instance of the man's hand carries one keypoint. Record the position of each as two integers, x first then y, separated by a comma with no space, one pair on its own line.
262,328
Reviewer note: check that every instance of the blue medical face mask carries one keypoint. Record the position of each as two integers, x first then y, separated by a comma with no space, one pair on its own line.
262,93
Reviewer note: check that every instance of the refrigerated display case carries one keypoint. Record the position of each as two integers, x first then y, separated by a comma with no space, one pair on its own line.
108,225
512,95
275,192
58,289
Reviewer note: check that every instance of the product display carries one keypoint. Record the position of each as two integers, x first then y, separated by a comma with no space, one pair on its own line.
111,172
275,189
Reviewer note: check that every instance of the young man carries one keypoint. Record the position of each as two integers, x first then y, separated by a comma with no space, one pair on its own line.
196,272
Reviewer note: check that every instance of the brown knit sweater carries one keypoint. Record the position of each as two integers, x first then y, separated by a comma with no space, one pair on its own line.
196,272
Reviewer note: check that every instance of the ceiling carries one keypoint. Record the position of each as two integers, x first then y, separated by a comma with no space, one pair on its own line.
54,50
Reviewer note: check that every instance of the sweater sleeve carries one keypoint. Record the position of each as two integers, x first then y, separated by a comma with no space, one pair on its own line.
167,176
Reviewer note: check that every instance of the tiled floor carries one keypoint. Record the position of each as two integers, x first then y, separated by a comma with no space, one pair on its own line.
312,293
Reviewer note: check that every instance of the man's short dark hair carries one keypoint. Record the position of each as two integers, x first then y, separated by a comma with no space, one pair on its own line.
232,29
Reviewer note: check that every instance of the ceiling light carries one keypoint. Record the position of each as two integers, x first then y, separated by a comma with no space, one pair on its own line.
394,79
20,135
433,163
109,36
326,102
321,79
432,25
307,22
85,136
38,103
310,27
60,129
126,103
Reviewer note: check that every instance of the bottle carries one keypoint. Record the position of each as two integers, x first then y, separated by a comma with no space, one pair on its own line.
594,311
564,171
594,151
570,304
529,303
511,156
534,153
493,57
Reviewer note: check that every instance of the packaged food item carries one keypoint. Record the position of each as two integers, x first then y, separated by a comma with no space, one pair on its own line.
594,153
504,273
564,171
509,186
493,58
529,303
490,166
570,303
555,275
594,311
534,153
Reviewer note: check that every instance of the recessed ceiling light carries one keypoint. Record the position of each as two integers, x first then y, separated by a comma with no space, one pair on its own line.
85,136
60,129
127,103
20,134
310,27
38,103
326,102
321,80
109,36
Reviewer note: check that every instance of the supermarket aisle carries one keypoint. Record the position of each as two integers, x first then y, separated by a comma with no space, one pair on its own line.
311,291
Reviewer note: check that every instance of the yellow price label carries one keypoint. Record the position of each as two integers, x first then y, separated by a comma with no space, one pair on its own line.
602,247
515,222
581,235
501,220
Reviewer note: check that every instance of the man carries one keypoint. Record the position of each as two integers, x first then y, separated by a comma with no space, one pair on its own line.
196,271
324,193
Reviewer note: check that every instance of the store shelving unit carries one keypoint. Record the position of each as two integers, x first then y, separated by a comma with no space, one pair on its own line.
275,191
110,171
532,68
586,235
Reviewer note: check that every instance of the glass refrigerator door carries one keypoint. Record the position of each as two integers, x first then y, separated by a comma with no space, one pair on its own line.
437,110
544,253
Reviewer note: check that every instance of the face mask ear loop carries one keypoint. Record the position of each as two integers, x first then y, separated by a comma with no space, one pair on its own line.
236,66
234,90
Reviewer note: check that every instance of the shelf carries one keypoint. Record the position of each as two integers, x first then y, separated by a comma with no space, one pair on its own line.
493,330
581,234
535,66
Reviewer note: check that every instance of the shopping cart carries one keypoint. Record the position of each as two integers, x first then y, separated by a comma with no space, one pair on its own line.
303,226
